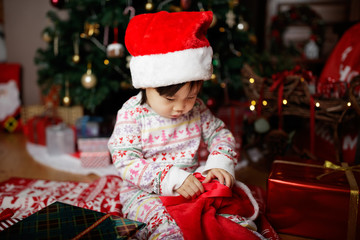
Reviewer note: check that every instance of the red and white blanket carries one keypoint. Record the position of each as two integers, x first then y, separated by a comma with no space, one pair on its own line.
19,197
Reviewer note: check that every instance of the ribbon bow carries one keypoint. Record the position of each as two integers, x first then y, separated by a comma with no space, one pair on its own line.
354,193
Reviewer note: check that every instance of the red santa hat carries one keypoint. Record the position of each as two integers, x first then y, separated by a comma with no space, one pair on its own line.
169,48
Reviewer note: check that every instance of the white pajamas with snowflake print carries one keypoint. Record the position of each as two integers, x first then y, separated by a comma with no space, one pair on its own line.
154,155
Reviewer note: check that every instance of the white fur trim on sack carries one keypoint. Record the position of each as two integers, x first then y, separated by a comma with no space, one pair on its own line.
159,70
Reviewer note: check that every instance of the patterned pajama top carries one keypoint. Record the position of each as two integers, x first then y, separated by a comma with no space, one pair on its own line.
156,154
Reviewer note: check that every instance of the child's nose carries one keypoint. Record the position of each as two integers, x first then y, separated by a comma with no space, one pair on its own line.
179,106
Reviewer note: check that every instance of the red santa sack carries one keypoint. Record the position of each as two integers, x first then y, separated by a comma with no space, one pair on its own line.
344,61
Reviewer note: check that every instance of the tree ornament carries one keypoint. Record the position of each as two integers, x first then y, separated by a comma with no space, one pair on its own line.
90,29
56,44
242,26
76,56
115,49
131,10
261,125
88,80
66,99
230,18
149,5
311,49
47,36
58,3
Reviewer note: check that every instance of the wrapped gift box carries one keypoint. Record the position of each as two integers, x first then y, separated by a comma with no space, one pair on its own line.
60,139
64,221
95,159
94,126
35,128
313,201
93,144
68,114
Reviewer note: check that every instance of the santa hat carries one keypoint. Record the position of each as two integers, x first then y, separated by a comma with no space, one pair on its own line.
169,48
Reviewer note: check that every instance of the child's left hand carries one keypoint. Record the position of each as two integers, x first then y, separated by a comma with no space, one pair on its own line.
223,176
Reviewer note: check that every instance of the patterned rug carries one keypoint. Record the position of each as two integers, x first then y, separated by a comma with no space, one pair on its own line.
19,197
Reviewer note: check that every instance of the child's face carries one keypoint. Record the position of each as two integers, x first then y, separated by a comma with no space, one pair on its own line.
172,106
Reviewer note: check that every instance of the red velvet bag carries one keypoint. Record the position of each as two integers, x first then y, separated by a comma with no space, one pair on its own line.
344,61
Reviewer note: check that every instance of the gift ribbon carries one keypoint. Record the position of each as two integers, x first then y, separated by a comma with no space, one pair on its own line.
94,225
354,192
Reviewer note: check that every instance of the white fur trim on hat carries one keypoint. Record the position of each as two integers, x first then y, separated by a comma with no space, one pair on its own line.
158,70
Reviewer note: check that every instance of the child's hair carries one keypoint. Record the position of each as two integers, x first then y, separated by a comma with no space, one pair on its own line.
170,90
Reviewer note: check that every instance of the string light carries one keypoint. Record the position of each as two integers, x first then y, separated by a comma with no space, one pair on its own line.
253,102
317,104
106,61
264,103
251,80
252,107
284,101
349,104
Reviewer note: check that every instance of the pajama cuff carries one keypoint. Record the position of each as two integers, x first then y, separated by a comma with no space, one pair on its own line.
173,180
219,161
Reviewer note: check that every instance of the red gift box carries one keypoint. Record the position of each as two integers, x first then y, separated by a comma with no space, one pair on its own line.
313,200
95,159
35,128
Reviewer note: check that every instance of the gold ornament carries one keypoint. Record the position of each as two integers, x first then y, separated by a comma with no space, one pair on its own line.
76,58
66,99
88,80
76,43
46,37
90,29
149,5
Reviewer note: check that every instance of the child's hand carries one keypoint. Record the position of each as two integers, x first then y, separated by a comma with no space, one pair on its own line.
223,176
191,187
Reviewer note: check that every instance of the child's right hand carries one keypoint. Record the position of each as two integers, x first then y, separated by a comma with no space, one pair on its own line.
191,187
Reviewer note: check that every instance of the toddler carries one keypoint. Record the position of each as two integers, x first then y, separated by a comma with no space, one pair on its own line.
157,133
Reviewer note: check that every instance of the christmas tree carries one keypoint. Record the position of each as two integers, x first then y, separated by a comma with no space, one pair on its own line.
87,62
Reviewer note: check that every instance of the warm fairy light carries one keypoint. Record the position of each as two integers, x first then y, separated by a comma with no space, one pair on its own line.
106,61
252,107
221,29
284,101
317,104
213,76
264,103
251,80
241,26
349,104
253,102
302,79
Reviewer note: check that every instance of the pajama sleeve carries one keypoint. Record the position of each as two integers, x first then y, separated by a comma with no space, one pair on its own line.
125,146
220,141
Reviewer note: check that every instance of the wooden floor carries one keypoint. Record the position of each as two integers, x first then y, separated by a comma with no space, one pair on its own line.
15,161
